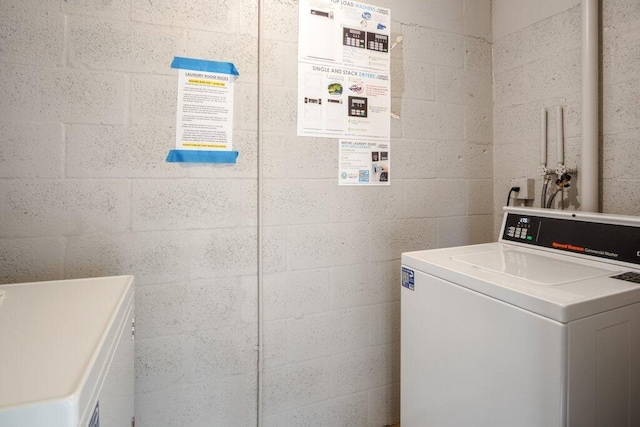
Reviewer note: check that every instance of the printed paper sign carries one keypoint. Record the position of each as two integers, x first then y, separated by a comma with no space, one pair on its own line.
204,117
205,111
364,163
344,88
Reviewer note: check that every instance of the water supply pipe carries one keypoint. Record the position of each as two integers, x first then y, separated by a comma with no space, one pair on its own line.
544,172
589,173
560,135
543,139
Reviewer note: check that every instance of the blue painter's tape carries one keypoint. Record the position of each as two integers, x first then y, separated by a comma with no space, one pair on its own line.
197,156
202,65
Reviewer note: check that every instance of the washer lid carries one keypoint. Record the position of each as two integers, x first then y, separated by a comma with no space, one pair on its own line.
543,270
558,286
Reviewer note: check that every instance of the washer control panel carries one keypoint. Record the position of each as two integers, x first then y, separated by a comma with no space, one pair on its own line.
600,240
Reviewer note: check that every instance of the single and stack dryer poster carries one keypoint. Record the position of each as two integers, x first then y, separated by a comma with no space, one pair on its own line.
344,89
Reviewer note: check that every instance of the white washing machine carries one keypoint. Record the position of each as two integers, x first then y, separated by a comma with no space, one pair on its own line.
66,353
541,328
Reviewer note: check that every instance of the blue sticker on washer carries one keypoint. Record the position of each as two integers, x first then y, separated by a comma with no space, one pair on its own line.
408,278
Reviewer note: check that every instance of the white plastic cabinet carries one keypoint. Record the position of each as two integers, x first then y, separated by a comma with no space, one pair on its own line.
66,353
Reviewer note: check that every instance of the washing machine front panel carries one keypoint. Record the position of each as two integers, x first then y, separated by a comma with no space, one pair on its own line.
604,369
468,359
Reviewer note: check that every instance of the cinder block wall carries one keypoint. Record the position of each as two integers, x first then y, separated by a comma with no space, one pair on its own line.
620,98
540,65
332,306
87,116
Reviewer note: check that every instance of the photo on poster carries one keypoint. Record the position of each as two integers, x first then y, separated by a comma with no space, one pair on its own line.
319,27
377,42
357,106
355,38
335,112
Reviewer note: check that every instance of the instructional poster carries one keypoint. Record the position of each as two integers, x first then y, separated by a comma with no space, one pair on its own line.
204,108
344,89
364,162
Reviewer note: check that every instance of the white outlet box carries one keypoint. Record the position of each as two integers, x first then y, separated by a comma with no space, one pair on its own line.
526,188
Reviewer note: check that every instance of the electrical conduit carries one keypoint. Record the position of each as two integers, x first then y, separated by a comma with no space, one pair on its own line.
260,231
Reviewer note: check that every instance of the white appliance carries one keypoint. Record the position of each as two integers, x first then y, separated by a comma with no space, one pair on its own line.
541,328
320,41
66,353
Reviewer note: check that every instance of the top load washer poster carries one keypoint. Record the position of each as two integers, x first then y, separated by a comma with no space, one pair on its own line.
344,89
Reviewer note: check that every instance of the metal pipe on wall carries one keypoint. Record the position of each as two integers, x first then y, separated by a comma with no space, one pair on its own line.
543,138
589,173
560,135
260,231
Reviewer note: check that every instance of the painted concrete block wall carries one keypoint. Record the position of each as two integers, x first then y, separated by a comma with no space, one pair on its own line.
620,127
510,16
540,65
87,114
332,307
